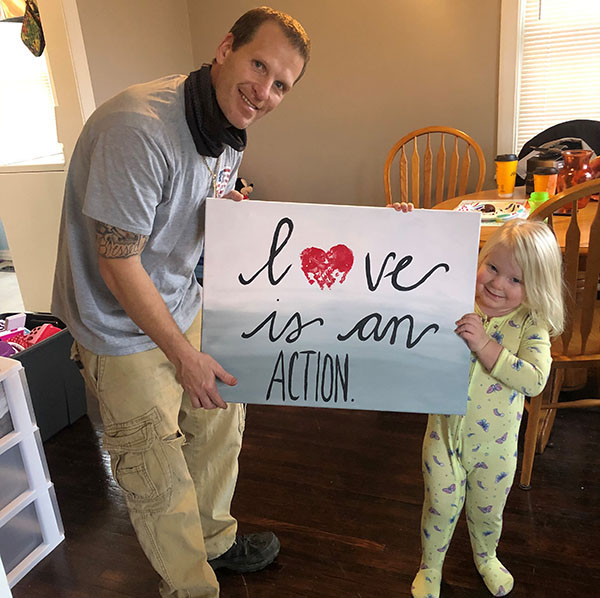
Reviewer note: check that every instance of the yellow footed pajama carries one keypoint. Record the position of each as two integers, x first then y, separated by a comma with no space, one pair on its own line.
496,576
427,583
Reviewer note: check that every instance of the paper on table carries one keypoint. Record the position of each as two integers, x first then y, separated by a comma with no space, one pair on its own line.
495,212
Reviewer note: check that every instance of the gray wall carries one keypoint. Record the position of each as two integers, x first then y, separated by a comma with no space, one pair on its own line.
133,41
379,69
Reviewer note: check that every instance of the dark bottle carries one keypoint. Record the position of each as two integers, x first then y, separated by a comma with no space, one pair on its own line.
546,158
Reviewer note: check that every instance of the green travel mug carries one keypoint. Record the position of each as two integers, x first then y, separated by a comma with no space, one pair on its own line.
536,199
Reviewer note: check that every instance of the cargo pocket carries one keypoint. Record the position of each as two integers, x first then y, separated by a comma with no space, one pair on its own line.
140,461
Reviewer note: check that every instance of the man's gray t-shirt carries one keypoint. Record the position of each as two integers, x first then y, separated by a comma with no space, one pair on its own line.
135,167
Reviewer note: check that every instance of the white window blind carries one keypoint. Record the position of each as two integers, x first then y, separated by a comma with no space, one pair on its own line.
27,119
559,70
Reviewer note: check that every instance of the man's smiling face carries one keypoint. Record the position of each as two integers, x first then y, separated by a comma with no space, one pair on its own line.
252,80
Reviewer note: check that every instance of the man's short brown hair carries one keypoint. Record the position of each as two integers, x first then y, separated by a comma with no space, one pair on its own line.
247,25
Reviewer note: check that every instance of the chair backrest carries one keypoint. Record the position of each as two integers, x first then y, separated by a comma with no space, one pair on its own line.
455,162
581,268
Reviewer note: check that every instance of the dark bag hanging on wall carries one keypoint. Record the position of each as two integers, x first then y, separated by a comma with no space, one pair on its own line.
32,34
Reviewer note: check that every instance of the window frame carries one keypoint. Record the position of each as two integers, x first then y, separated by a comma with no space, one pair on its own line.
512,25
69,77
511,49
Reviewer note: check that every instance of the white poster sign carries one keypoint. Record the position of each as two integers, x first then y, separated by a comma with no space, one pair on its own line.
339,306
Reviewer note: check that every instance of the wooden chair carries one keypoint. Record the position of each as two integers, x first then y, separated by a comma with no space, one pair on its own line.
579,345
436,187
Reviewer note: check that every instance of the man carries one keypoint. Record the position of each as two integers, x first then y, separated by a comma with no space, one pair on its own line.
131,234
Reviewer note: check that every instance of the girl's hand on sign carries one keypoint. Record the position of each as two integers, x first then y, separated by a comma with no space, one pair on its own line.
401,206
470,329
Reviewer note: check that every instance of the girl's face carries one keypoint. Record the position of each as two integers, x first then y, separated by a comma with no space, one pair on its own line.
499,288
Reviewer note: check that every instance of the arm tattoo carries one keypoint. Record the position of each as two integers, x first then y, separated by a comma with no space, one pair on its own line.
113,242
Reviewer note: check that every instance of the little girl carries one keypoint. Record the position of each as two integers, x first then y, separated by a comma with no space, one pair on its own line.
472,459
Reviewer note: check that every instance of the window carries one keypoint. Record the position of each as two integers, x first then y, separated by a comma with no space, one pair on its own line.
548,67
27,119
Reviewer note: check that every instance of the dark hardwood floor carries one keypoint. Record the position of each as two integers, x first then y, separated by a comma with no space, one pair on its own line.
342,490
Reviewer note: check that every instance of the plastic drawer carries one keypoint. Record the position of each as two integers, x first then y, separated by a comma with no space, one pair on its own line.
13,475
6,423
20,537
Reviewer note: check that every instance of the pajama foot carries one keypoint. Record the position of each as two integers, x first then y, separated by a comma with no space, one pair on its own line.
496,577
427,584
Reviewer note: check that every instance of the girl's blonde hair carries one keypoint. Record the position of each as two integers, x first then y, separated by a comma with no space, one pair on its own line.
538,255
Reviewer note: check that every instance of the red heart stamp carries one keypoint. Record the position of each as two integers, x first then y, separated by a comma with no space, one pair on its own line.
326,268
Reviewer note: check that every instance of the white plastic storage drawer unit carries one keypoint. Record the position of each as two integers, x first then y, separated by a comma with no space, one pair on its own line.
30,524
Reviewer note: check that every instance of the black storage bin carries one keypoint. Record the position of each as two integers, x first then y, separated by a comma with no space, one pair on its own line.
56,386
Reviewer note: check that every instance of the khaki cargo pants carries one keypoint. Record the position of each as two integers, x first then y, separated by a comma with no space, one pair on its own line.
176,465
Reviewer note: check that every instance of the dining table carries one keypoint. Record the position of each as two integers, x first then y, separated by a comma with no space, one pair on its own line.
560,222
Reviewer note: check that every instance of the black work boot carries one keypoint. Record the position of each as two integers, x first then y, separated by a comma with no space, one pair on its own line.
249,553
